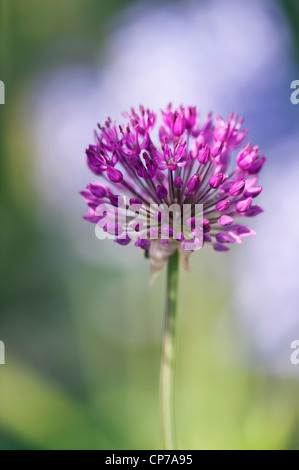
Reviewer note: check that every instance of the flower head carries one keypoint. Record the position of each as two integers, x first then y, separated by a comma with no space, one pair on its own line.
151,183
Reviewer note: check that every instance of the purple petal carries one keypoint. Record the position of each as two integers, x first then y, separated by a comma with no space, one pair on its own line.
135,200
257,166
204,155
123,241
253,211
237,188
243,206
207,238
114,175
116,201
225,220
91,217
206,225
253,192
225,237
161,191
194,183
220,247
217,180
143,243
178,182
243,231
222,206
97,189
179,125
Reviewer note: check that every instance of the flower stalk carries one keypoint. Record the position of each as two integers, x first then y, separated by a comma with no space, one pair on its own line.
167,379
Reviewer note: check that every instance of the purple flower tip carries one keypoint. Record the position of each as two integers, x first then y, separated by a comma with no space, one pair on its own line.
194,183
135,201
204,155
253,192
222,206
97,190
237,188
226,220
253,211
220,247
217,180
243,206
178,182
161,192
114,175
123,241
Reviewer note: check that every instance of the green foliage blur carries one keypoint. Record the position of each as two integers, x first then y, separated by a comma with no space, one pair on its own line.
83,339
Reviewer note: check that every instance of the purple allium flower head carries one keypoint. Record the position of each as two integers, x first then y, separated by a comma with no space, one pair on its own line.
189,165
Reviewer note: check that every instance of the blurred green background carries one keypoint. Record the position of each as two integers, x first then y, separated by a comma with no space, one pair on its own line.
83,337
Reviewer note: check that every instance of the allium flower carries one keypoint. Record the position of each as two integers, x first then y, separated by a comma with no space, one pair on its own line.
190,166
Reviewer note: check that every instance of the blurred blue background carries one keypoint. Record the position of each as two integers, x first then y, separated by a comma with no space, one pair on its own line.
81,325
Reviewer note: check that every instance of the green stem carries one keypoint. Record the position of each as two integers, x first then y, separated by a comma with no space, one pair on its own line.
168,354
